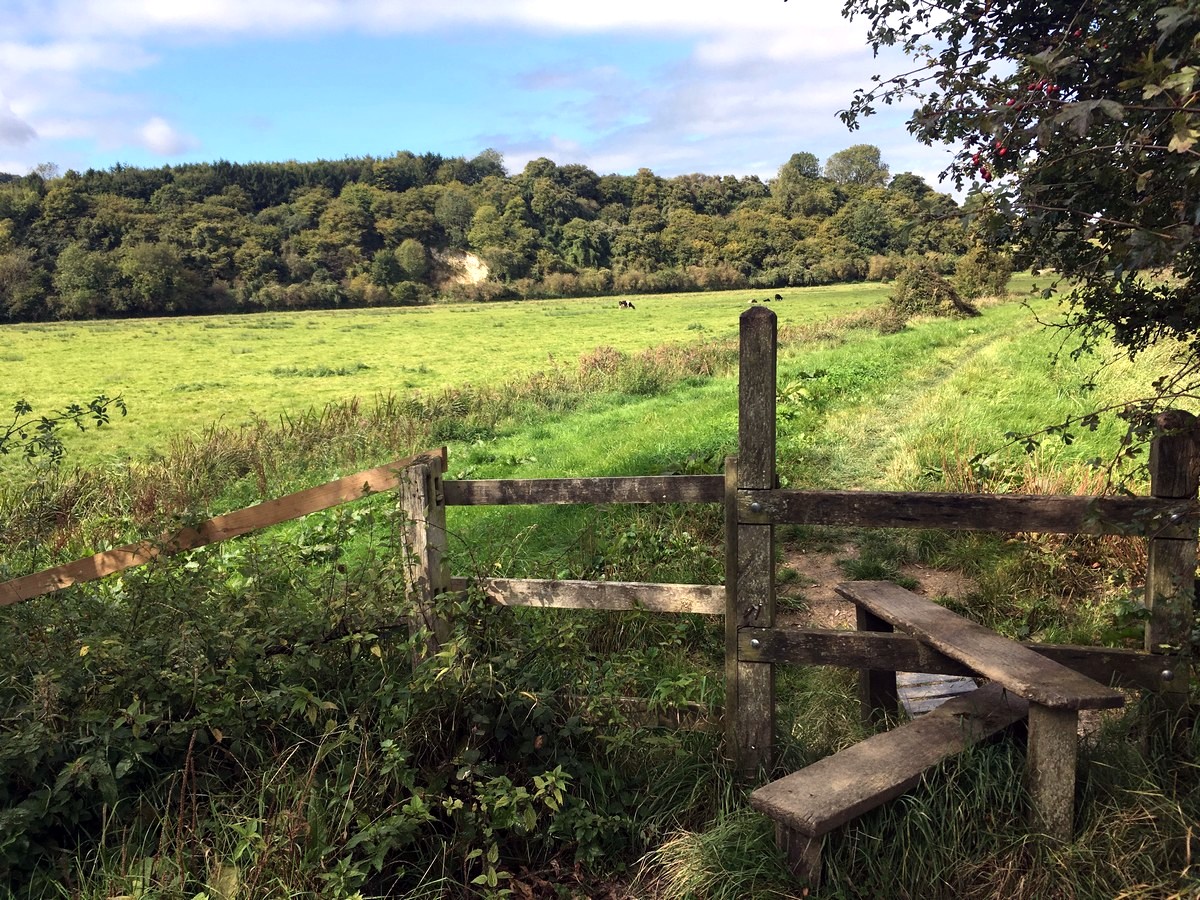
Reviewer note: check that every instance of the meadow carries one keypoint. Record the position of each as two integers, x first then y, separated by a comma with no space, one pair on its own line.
182,374
245,721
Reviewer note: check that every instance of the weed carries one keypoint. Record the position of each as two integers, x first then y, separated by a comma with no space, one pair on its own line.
319,371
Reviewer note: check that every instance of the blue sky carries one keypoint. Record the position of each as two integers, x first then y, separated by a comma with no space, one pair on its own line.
698,86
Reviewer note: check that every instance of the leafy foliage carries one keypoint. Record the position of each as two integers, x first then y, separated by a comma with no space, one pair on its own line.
253,704
920,290
222,236
38,435
1080,118
982,272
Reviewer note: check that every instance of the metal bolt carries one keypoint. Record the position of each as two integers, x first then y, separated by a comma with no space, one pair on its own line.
1176,518
755,643
755,507
752,747
1167,674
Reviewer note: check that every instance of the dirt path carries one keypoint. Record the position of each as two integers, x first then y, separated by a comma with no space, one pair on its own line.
811,602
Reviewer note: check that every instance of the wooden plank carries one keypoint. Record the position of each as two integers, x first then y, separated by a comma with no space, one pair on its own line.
212,531
424,548
640,489
1050,769
753,724
997,658
841,787
1005,513
902,653
613,595
921,692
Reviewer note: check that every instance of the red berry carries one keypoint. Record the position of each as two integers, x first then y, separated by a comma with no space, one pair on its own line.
1009,102
1003,151
1078,32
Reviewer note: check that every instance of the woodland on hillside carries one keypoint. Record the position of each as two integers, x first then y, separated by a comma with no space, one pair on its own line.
225,236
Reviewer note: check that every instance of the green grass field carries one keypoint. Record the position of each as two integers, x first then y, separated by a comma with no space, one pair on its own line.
185,373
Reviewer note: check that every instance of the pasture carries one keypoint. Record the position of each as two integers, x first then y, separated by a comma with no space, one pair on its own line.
185,373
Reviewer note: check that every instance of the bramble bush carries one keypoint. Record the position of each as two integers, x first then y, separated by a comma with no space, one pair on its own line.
251,708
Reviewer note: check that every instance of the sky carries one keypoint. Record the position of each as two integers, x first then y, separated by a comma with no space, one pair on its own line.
710,86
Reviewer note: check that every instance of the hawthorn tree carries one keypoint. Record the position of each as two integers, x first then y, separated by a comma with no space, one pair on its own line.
1081,119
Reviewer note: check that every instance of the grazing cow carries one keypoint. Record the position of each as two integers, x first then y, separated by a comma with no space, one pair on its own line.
778,297
630,305
623,303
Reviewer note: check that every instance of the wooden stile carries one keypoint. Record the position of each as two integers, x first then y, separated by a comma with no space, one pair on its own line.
1055,693
212,531
1027,674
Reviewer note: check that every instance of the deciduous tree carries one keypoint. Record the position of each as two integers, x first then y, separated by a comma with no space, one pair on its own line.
1082,118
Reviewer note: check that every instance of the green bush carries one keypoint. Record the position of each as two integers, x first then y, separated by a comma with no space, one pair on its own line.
982,272
920,290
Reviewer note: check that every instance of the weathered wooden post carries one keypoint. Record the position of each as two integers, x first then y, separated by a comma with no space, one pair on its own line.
1171,567
423,501
1052,750
750,589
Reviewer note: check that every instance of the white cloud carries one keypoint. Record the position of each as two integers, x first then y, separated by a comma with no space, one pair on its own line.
14,130
14,167
159,136
761,81
24,58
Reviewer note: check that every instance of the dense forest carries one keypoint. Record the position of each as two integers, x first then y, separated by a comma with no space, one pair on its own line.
223,236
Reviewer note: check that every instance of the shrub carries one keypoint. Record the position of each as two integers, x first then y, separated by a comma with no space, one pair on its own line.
920,290
982,272
883,268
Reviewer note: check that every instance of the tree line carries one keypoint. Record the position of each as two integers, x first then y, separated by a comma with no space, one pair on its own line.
225,236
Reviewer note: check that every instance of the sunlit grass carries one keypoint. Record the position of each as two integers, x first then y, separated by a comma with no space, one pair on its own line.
181,374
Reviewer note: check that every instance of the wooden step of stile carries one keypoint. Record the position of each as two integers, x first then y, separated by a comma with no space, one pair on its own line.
832,791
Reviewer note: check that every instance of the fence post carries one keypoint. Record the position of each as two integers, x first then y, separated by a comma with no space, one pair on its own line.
751,721
1171,566
423,501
